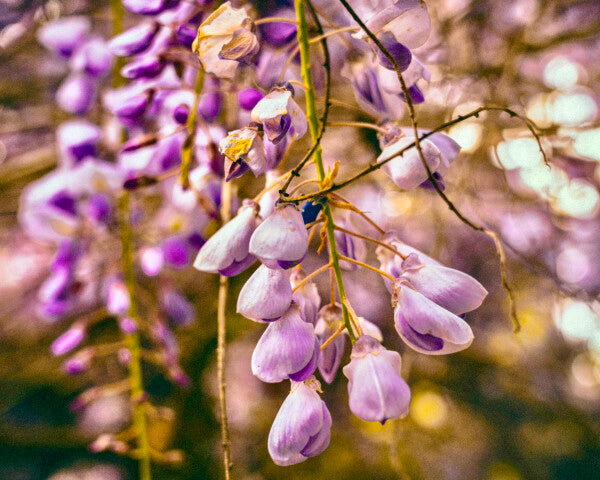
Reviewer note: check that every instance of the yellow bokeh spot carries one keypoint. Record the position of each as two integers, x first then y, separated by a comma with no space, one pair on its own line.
503,471
429,409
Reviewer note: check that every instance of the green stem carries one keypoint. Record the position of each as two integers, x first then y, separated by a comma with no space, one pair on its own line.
132,340
188,146
313,122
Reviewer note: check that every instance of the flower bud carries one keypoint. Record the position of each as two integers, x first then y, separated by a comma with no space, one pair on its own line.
76,94
266,295
302,426
64,35
427,327
68,340
248,98
226,252
145,7
92,58
376,390
76,140
134,40
281,241
330,358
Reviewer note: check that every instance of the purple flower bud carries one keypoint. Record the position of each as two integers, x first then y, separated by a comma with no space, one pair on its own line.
145,7
210,106
266,295
181,114
68,340
76,94
286,347
279,33
330,358
227,250
428,328
117,296
281,241
185,35
66,256
178,376
92,58
302,426
80,362
98,208
399,52
125,106
176,252
127,325
449,288
376,390
176,307
151,261
248,98
134,40
76,140
143,67
124,356
64,35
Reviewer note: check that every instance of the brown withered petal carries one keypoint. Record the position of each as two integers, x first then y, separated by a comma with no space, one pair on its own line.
242,48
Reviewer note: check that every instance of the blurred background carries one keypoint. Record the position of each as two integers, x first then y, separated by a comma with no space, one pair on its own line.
513,406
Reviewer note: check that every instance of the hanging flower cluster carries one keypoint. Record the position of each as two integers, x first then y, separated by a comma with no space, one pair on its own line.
203,97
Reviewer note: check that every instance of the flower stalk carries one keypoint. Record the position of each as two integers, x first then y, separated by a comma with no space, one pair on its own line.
313,123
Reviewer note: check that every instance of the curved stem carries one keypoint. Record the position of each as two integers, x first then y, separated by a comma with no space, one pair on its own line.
311,113
309,277
369,267
264,20
372,240
372,126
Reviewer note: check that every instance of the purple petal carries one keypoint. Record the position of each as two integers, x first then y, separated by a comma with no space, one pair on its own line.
282,237
266,296
427,318
64,35
76,94
134,40
309,368
286,347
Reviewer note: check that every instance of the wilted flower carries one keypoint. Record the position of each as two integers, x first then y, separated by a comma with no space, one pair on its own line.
302,426
215,33
376,390
279,113
286,347
266,295
243,150
281,241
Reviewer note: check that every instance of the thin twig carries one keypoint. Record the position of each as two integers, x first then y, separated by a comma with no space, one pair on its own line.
372,240
417,144
309,277
221,342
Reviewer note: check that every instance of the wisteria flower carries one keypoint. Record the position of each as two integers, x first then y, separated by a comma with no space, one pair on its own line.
216,32
286,347
281,241
426,326
226,252
376,390
243,150
302,426
279,113
266,295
